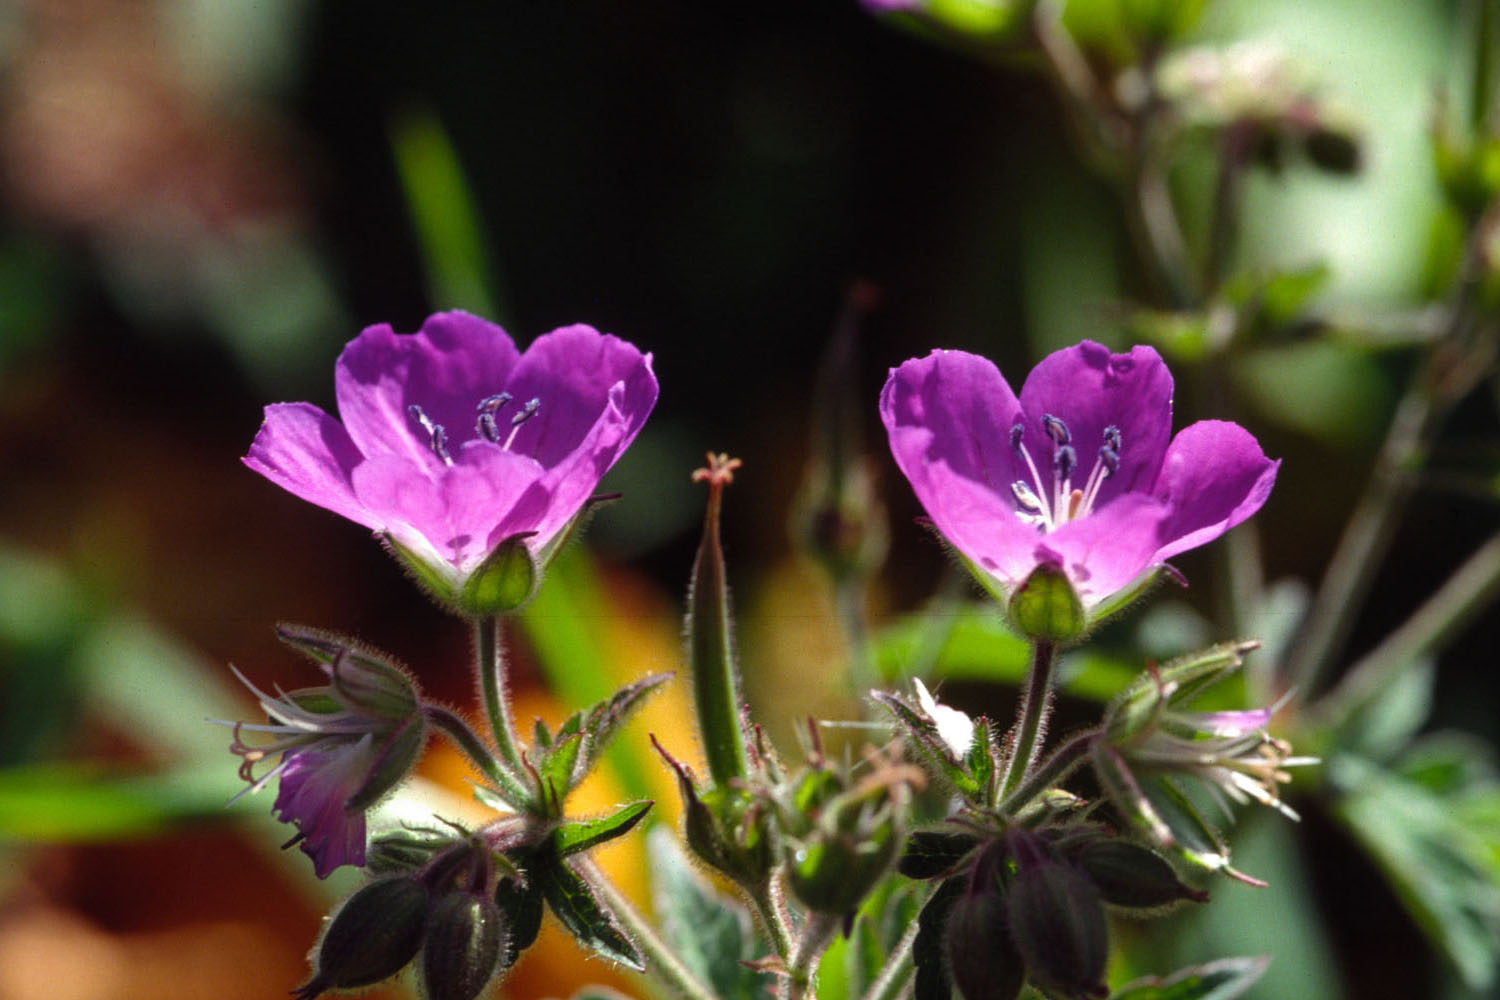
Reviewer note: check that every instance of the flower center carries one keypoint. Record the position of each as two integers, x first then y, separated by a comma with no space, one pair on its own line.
486,427
1050,509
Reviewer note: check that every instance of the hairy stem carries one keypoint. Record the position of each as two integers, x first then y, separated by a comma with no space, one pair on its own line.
490,665
806,951
468,741
1061,763
1035,704
661,961
773,916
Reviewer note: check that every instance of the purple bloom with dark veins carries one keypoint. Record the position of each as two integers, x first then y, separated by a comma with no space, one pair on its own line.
314,786
1081,471
450,441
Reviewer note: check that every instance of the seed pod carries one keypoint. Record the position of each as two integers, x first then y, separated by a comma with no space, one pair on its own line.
1057,922
1131,876
371,937
462,950
981,955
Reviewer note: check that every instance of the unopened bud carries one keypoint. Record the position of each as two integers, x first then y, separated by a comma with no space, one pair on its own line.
1057,921
504,581
371,937
462,949
1132,876
981,955
1045,607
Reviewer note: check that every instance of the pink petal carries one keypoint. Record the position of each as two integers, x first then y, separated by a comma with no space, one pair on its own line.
1214,476
309,454
1111,547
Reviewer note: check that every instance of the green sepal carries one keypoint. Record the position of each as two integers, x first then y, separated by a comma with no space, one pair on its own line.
1177,681
1132,593
392,764
603,721
504,581
930,854
573,902
365,680
522,904
980,760
557,771
924,734
928,949
1046,608
581,835
726,828
1133,877
436,577
1192,838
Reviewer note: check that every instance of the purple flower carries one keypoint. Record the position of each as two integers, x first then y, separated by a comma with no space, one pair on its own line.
1080,472
343,746
453,441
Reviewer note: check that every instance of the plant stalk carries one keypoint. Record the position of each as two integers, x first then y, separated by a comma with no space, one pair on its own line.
490,664
1031,718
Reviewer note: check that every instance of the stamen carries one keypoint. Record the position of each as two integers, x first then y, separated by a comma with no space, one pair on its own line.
1032,498
1031,502
1064,461
527,412
1056,429
487,407
1017,432
1113,439
437,438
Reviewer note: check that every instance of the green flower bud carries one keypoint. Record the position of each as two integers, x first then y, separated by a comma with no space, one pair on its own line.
1132,876
1057,921
371,937
832,871
1046,608
503,582
462,950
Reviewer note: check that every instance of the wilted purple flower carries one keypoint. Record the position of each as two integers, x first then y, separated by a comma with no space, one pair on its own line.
1080,472
451,441
342,747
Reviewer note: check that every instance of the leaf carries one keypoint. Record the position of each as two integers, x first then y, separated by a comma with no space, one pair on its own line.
929,954
877,929
1382,725
602,722
522,906
1224,979
710,932
981,757
557,769
1443,868
581,835
573,902
930,854
1193,838
81,802
934,749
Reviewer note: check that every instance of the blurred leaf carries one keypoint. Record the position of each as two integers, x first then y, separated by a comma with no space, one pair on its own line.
1450,763
711,932
1443,869
445,214
43,618
1222,980
1385,724
573,659
80,802
882,919
1324,390
970,641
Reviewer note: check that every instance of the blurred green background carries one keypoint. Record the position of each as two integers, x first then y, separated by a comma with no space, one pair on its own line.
202,201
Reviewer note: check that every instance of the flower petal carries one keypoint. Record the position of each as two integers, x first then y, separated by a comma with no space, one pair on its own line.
309,454
446,368
314,785
1111,547
1213,477
572,372
1089,389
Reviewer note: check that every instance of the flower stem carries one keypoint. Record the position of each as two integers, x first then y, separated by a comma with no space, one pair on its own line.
1052,770
806,951
473,748
766,899
490,664
661,960
1472,588
1035,704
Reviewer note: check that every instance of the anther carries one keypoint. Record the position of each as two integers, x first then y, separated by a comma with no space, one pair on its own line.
527,412
1113,439
1064,461
486,424
1110,459
1025,497
1016,434
437,438
1056,429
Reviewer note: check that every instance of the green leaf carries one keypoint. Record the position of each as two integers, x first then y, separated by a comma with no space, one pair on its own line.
1383,725
557,770
924,734
573,903
80,802
980,759
1443,867
581,835
929,955
445,215
1222,980
711,932
603,721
